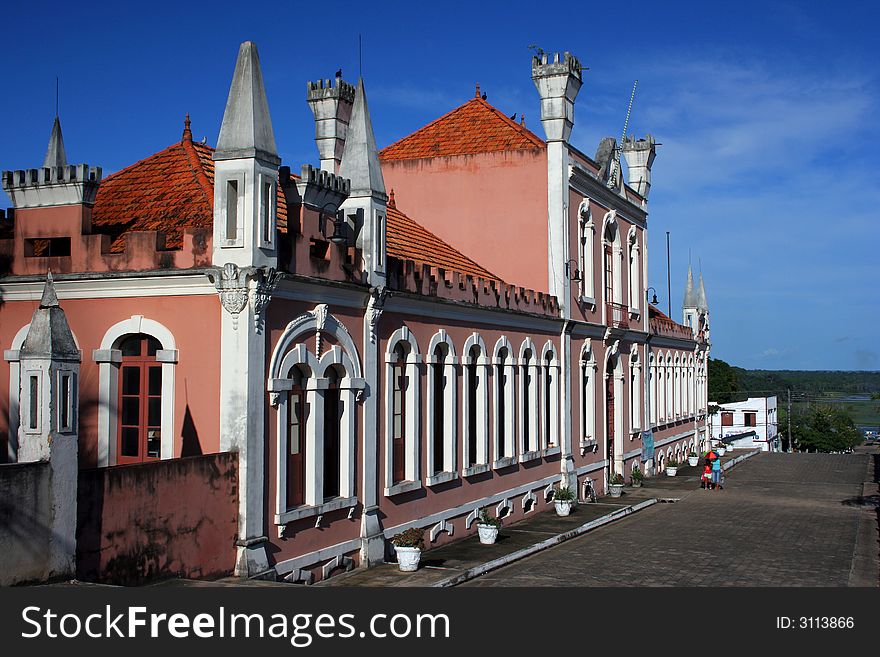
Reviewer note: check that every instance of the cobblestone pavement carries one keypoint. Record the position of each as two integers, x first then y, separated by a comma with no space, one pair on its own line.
781,520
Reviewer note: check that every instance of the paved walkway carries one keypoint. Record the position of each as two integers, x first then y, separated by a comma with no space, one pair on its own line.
465,559
781,520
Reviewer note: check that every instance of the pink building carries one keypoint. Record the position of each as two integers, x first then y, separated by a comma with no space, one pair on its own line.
397,339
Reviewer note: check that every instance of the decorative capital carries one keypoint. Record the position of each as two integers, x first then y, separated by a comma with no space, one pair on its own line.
375,307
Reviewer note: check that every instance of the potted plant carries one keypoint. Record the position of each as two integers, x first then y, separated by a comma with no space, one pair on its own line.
671,467
637,477
615,485
487,527
721,449
693,459
563,498
408,545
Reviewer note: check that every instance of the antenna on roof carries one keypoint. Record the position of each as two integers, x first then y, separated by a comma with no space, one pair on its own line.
360,59
616,164
56,95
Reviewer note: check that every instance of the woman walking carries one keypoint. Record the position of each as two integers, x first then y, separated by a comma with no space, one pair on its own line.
716,473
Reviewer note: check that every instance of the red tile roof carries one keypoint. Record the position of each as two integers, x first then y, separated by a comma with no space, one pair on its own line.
168,191
174,189
407,240
475,127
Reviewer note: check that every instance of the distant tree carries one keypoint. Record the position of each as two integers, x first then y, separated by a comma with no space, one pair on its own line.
723,382
824,429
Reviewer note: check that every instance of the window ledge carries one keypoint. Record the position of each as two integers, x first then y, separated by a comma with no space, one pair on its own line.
634,432
505,462
529,456
590,302
635,312
553,450
402,487
318,509
478,468
441,478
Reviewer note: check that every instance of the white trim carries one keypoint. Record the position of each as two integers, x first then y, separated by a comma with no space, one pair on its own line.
108,381
115,287
550,415
507,377
529,374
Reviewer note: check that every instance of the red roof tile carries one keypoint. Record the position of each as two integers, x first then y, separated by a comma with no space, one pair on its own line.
168,191
407,240
475,127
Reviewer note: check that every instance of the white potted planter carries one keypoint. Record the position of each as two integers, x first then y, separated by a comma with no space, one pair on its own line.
671,468
615,486
636,478
408,558
693,461
563,498
487,528
721,450
408,546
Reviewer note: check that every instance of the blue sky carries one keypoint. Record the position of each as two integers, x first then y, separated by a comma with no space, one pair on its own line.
766,111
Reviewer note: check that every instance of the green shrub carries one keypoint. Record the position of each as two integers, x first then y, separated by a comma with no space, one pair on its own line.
564,494
486,519
413,537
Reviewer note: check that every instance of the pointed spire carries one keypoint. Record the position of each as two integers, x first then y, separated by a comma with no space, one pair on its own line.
690,298
49,335
55,155
246,130
360,158
50,299
187,132
702,303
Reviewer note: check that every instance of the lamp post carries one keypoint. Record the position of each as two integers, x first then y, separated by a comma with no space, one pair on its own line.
338,236
653,301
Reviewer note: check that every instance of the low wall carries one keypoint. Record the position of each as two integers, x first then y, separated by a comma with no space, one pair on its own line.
25,522
172,518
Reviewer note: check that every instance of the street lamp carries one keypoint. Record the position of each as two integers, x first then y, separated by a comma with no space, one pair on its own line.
572,272
654,300
339,234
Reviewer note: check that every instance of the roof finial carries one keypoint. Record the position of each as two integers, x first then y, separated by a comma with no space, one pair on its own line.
477,94
49,299
522,120
391,202
187,133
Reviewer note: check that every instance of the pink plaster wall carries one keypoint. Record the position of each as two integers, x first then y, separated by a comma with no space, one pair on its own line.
195,323
132,526
497,215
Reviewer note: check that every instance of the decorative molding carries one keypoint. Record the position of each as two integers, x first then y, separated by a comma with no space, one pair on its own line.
339,561
231,284
442,526
529,502
375,307
267,279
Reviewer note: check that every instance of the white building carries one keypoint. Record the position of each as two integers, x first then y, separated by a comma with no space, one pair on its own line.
746,424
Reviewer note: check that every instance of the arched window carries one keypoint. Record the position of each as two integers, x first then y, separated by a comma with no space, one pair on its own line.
677,386
504,405
146,415
398,414
442,404
585,252
529,447
588,397
550,397
402,413
635,271
652,389
475,403
296,438
140,401
333,407
661,390
615,311
670,388
635,389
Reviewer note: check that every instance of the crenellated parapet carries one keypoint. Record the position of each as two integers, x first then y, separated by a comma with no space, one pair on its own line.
321,190
436,282
51,186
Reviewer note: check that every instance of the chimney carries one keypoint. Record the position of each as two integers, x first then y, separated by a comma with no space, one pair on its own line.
639,156
331,104
558,83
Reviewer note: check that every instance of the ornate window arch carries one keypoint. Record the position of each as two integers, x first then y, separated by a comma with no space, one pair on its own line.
652,389
612,260
442,402
475,406
109,358
402,345
529,446
505,411
316,397
670,388
550,396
